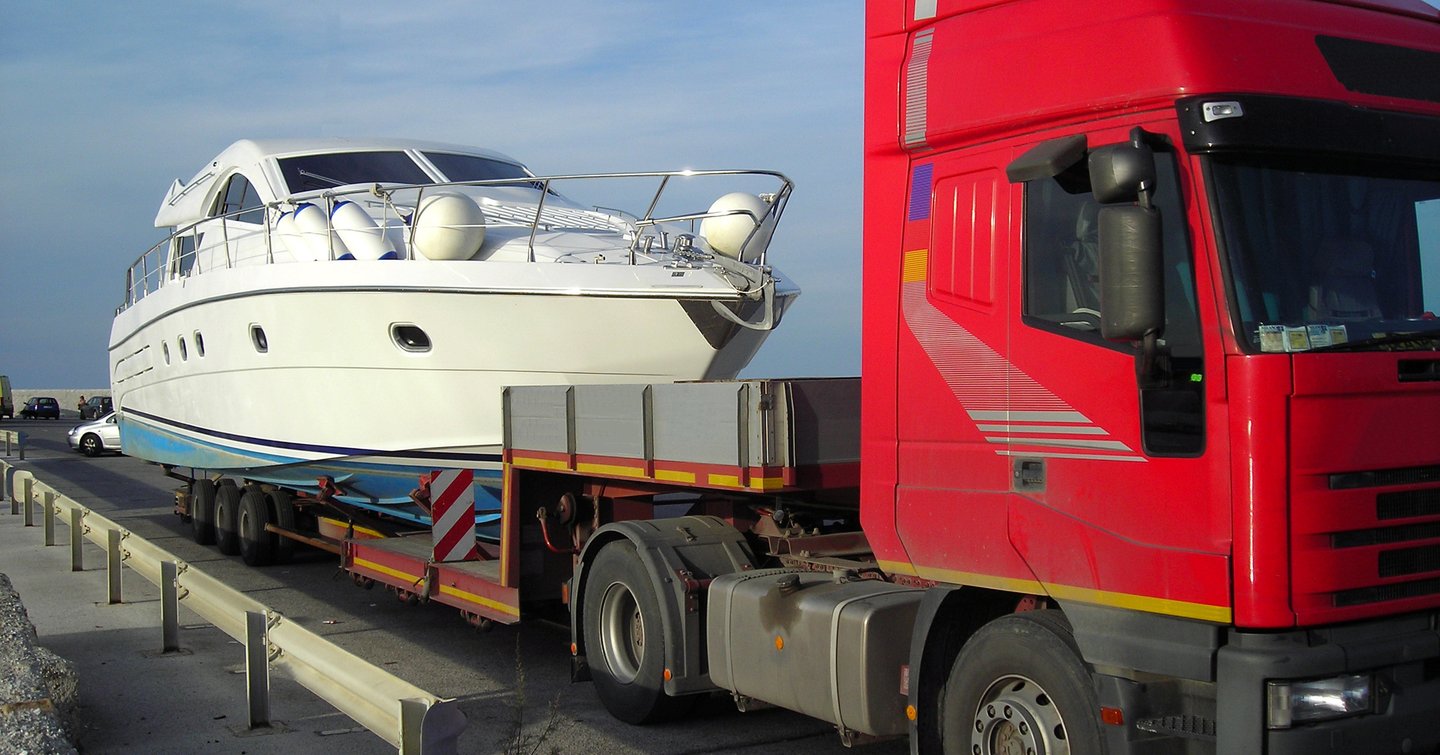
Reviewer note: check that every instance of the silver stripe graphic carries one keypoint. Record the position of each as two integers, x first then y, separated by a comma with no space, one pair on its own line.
1096,457
1099,445
1011,416
1057,429
925,9
917,83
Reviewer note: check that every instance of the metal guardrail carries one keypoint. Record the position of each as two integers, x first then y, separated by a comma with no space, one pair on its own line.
14,439
409,718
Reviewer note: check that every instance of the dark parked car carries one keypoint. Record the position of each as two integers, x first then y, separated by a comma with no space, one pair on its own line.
95,407
40,407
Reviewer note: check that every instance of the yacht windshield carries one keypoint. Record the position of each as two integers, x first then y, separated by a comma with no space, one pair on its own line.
1331,257
473,167
326,171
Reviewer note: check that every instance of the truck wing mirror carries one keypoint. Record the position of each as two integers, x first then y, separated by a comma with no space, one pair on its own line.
1122,173
1132,291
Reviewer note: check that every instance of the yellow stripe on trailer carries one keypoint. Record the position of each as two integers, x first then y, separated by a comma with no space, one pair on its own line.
471,597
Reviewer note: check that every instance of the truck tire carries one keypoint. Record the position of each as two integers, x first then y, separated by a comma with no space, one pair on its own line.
282,503
256,545
227,516
624,642
1020,685
202,511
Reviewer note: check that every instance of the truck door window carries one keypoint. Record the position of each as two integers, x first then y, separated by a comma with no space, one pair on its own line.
1062,294
1062,284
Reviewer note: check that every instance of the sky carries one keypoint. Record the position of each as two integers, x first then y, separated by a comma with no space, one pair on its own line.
103,104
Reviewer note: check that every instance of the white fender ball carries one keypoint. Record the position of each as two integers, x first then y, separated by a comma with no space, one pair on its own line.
727,233
448,226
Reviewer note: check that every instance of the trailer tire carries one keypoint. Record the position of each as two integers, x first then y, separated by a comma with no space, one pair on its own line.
624,640
227,515
1021,682
202,511
256,546
282,504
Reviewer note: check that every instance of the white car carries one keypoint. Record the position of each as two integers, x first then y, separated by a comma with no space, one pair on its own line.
96,437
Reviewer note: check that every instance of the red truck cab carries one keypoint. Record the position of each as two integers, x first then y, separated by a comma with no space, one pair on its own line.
1150,300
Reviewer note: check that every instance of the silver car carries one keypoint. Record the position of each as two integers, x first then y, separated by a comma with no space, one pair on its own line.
96,437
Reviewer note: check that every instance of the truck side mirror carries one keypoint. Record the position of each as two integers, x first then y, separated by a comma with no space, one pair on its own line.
1122,173
1132,282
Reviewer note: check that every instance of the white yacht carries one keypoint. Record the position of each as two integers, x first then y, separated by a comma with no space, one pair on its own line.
352,310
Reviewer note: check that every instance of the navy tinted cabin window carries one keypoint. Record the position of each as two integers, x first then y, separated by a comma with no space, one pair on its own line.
474,168
312,172
257,337
240,196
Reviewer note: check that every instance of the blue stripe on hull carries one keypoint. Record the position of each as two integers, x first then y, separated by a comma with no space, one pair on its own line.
378,487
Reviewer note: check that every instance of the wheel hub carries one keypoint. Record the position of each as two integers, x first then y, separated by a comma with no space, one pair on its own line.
1017,717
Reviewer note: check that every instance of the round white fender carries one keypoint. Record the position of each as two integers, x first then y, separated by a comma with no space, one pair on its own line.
726,233
363,238
448,226
314,235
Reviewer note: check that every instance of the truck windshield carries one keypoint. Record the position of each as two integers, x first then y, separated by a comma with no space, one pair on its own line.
1342,257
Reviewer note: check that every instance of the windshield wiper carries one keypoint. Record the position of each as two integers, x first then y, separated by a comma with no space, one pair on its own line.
308,174
1407,341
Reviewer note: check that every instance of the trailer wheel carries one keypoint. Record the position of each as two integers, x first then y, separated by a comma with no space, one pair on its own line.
624,640
202,511
256,548
227,516
283,506
1020,685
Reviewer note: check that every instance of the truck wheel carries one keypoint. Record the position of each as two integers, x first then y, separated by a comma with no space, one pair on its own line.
283,504
1020,685
227,516
256,547
624,640
202,511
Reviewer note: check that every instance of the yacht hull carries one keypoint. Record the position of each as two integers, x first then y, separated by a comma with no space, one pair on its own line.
288,373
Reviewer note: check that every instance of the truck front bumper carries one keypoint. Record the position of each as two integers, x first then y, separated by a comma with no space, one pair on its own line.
1402,653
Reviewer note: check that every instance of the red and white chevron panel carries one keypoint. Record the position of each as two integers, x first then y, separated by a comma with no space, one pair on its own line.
452,514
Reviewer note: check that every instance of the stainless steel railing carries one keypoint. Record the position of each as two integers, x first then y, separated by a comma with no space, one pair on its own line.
233,239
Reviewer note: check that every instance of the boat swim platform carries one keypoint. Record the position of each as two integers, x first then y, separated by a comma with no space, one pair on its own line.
405,564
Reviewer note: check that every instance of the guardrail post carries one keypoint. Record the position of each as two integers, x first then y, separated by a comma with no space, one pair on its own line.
77,539
30,511
21,444
5,473
169,606
257,669
112,565
29,488
49,519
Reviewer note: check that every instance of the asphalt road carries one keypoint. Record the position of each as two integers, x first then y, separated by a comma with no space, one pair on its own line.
512,682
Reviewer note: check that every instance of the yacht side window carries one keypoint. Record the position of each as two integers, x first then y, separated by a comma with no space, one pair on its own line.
240,196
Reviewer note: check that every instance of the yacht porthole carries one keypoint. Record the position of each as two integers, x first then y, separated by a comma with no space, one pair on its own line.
410,337
257,337
184,351
165,349
199,344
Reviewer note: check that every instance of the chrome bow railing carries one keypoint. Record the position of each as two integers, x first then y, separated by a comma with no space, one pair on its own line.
249,236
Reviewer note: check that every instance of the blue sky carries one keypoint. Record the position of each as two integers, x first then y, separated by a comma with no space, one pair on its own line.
103,104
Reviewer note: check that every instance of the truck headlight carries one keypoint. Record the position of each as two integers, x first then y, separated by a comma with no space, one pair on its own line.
1297,702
